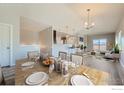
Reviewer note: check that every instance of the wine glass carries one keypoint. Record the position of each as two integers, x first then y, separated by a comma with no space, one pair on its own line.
51,68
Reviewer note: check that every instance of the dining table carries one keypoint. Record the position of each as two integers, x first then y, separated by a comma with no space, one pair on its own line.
97,77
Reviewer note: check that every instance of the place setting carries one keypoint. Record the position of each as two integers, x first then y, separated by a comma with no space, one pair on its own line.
37,78
30,63
40,78
80,80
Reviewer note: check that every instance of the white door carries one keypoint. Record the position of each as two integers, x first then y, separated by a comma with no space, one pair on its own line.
4,44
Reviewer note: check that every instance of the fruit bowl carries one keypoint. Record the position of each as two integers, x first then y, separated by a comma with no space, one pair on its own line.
47,62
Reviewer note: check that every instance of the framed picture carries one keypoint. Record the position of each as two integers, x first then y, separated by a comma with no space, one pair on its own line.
81,39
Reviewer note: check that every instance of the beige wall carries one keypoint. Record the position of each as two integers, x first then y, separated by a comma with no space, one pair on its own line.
46,39
28,37
110,40
29,30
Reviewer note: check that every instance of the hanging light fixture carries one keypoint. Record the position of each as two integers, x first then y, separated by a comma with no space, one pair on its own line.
88,24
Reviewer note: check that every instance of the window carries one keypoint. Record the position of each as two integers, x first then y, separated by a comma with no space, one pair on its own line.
99,44
95,44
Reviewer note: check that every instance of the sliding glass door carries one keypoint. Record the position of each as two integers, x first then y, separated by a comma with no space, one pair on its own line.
100,44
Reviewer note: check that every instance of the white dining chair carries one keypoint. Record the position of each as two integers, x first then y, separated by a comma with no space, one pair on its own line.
32,55
63,55
77,59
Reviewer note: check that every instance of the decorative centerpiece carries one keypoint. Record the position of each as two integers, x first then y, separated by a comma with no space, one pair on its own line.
48,61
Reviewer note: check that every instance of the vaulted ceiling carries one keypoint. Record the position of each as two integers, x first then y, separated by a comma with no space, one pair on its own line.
70,18
106,17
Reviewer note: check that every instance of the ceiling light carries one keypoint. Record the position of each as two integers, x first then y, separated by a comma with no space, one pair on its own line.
88,24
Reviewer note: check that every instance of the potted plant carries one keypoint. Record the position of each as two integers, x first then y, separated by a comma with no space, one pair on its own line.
116,49
85,48
82,47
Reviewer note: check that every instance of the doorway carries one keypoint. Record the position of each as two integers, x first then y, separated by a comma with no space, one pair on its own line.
5,44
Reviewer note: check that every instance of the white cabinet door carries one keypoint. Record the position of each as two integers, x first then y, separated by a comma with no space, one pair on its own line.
4,45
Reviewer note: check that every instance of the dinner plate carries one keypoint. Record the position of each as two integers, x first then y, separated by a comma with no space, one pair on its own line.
80,80
37,78
26,64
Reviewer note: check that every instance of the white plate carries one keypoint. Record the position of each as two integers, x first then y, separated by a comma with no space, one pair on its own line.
37,78
80,80
26,64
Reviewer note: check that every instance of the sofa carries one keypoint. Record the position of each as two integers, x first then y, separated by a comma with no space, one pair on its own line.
110,55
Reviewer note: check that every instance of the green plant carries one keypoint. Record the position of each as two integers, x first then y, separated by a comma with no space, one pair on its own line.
85,47
116,49
82,47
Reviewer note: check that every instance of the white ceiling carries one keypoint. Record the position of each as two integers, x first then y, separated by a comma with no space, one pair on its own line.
106,16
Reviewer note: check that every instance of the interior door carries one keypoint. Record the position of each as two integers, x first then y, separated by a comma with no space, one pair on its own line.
4,45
